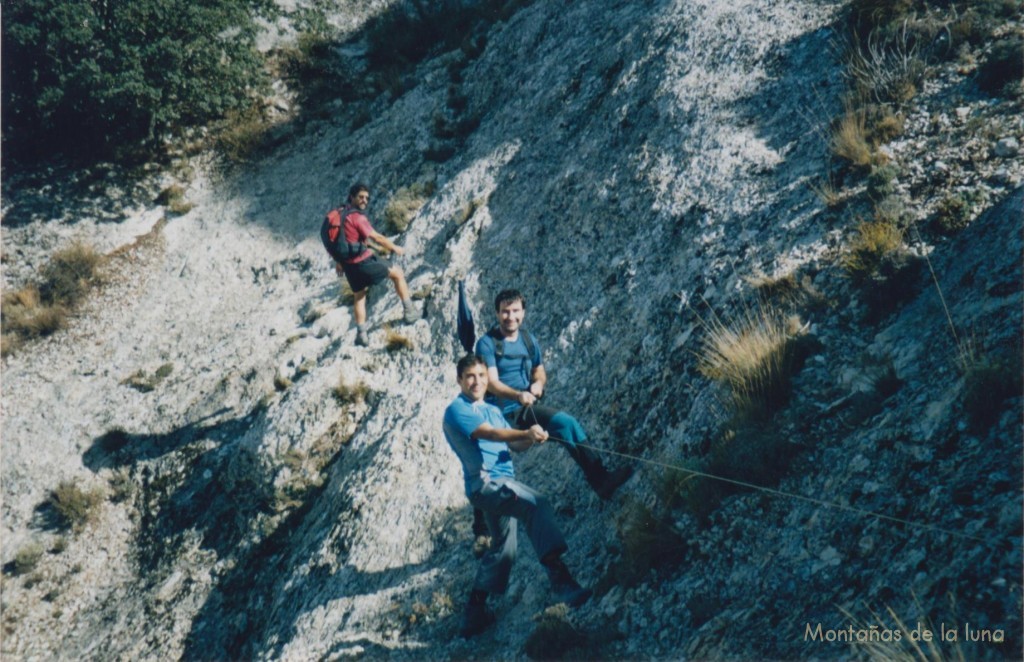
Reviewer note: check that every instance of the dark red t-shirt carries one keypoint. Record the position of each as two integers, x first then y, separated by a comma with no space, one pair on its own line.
357,229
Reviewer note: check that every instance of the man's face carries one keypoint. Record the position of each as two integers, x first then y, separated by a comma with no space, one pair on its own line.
510,317
360,200
473,382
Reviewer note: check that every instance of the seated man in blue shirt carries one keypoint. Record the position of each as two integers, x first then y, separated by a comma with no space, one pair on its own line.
481,438
517,379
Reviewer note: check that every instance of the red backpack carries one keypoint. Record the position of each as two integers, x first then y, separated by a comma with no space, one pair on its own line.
333,236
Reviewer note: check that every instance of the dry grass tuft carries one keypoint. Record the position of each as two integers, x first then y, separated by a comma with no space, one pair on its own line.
347,393
469,209
69,273
849,140
874,241
404,204
27,558
40,309
242,133
827,191
755,356
76,507
395,341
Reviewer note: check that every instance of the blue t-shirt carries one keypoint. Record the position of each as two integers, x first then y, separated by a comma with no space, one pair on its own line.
514,367
482,460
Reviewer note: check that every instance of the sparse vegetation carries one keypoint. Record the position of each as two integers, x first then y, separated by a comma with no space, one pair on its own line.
144,383
755,357
988,381
122,487
41,309
347,393
743,451
1003,66
882,181
404,204
470,208
886,69
27,558
849,139
648,541
242,132
75,506
173,197
952,215
553,636
827,192
439,607
395,341
874,241
346,296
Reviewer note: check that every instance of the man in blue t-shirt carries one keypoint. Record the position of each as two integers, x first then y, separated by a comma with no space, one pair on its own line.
516,381
481,438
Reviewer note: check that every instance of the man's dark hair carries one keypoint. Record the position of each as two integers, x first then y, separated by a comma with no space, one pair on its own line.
356,189
467,362
508,296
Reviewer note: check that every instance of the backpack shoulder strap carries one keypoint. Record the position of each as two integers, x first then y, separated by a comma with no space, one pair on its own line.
499,341
529,341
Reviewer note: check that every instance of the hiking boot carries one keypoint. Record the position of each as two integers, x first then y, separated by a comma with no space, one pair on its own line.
480,545
362,338
613,481
411,314
475,620
571,593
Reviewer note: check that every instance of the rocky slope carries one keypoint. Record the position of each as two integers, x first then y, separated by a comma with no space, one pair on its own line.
635,169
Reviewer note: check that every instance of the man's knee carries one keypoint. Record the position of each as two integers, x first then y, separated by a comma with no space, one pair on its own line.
395,274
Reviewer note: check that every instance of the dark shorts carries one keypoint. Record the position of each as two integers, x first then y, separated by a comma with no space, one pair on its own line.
369,272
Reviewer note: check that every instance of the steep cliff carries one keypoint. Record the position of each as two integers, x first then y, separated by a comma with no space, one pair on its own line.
639,170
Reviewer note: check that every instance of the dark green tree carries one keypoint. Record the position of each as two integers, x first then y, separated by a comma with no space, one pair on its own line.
84,77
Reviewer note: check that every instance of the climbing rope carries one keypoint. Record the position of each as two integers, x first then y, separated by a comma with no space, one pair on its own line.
772,491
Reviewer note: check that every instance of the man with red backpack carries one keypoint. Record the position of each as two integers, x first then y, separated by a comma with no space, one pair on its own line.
344,233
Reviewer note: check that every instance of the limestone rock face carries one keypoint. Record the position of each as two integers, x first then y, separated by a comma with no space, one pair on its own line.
638,170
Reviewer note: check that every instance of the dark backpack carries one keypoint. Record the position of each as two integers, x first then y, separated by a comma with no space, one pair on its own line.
333,237
528,340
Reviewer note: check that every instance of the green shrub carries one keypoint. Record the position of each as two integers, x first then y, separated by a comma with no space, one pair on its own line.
1004,65
242,132
75,507
129,71
882,181
648,541
890,211
553,636
988,382
173,197
953,214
